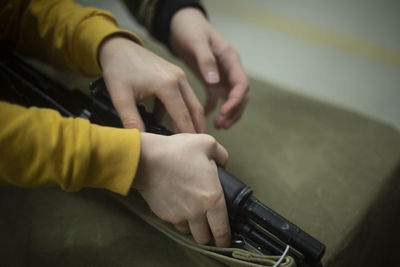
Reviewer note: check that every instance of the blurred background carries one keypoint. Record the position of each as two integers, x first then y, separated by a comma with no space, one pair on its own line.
342,52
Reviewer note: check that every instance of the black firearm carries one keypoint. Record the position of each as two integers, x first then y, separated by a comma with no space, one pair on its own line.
254,225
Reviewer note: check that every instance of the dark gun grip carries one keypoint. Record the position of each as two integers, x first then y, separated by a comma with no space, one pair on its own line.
235,191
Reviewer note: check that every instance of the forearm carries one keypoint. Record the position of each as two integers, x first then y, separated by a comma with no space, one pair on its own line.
41,148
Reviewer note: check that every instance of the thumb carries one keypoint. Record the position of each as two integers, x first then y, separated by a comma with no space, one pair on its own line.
219,154
207,63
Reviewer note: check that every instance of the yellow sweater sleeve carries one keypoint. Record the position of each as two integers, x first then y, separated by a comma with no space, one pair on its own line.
39,147
59,32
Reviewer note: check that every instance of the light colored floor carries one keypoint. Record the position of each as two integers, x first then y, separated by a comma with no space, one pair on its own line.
343,52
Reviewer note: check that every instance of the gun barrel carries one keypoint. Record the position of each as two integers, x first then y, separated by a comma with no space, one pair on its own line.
243,207
286,231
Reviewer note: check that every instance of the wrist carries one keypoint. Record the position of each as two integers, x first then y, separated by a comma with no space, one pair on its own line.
165,10
112,43
183,16
187,12
147,146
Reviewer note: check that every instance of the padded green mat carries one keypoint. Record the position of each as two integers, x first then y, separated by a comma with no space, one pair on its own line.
332,172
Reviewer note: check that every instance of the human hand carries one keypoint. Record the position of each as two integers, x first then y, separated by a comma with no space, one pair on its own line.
177,176
217,64
132,73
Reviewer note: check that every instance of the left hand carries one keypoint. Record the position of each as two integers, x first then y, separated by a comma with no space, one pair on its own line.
217,64
133,73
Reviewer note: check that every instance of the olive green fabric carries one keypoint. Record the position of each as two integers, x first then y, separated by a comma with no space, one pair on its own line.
228,256
332,172
48,227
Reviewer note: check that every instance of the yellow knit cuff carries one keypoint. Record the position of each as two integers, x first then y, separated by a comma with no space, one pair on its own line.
114,158
92,33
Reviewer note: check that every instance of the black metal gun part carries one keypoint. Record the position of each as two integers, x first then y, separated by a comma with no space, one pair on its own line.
249,218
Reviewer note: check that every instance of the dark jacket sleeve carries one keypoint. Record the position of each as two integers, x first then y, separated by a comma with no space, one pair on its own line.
156,15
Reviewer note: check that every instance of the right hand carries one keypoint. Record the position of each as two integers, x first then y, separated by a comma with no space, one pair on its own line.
132,73
178,178
215,62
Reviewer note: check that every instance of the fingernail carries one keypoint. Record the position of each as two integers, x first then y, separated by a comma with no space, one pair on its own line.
212,77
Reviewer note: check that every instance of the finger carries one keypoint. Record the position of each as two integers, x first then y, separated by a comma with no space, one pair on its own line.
183,227
125,104
218,221
195,108
200,230
176,107
219,154
236,79
158,110
174,127
130,117
236,97
207,63
226,121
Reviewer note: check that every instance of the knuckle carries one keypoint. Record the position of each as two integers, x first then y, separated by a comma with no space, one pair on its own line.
221,233
182,229
208,60
179,73
210,141
169,215
204,198
171,80
176,220
227,49
202,239
215,198
193,214
211,198
165,216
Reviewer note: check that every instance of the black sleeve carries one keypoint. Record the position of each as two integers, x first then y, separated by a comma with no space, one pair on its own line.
156,15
